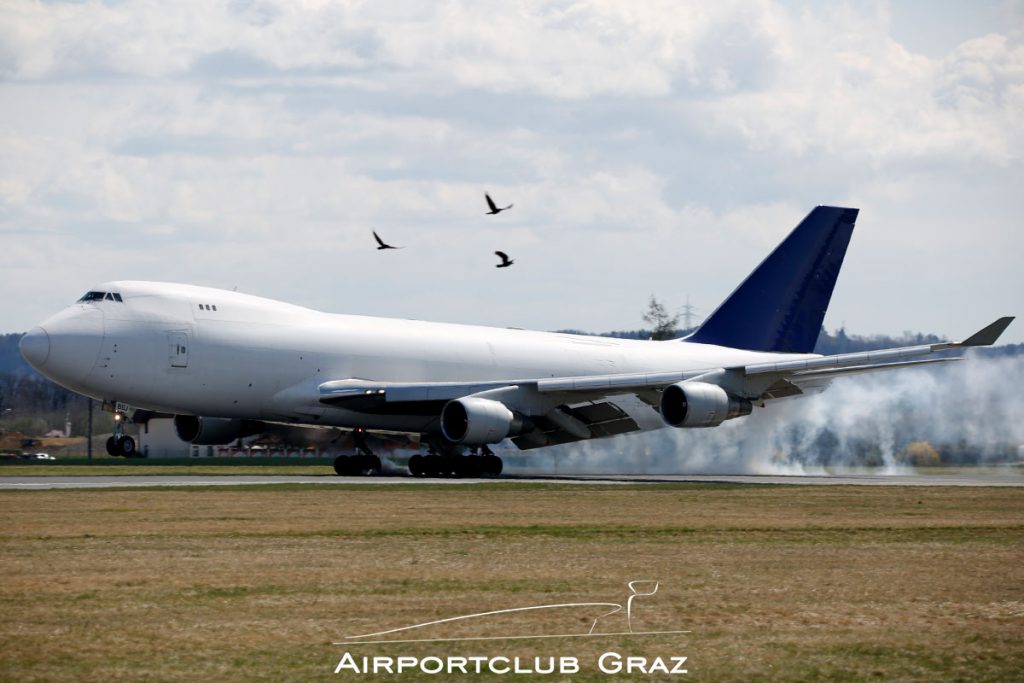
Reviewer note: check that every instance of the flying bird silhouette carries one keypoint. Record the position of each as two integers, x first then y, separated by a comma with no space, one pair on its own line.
383,244
505,260
494,207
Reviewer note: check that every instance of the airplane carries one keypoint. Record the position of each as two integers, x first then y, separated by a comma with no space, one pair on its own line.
224,364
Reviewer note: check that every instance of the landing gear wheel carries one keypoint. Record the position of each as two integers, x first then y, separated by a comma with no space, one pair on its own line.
371,465
123,446
127,447
492,465
355,465
469,466
416,466
450,466
343,466
432,466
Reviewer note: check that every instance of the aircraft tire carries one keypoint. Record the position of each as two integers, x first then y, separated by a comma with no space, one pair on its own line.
112,448
343,466
127,447
460,466
416,466
471,466
371,465
492,465
429,466
433,466
450,466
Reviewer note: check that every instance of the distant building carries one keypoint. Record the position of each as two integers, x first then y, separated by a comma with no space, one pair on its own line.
157,439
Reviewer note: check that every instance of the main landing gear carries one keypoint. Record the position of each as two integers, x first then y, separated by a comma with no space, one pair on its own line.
455,465
446,460
364,462
120,444
357,465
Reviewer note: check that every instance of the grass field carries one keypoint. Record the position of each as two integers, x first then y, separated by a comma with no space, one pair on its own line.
119,467
109,466
255,583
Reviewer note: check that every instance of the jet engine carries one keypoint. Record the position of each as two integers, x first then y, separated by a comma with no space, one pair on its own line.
211,431
476,421
699,404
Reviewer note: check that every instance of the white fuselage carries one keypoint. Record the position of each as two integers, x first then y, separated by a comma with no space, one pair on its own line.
190,350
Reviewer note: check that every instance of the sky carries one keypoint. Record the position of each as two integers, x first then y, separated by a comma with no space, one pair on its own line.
655,148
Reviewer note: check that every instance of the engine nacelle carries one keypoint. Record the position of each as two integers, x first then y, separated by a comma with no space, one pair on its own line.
699,404
210,431
476,421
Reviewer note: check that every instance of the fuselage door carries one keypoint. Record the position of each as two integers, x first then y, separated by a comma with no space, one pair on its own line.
178,351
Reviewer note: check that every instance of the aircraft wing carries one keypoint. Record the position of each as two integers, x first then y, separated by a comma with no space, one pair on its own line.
818,367
574,408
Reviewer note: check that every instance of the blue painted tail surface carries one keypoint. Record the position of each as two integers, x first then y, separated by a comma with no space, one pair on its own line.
781,305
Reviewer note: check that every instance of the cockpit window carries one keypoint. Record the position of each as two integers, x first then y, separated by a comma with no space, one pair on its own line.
101,296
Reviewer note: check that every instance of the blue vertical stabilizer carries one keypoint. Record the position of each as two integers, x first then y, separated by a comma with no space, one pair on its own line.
781,305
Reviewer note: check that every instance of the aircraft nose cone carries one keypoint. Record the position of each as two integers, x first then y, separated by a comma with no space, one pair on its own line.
35,347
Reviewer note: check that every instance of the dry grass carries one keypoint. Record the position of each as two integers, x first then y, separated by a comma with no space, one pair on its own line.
108,466
797,583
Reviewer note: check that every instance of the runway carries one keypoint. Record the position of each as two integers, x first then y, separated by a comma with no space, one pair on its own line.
1010,478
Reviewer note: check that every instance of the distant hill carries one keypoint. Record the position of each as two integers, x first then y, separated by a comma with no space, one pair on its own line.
840,342
11,362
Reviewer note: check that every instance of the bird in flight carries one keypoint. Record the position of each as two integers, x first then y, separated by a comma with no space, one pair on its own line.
382,243
494,207
505,260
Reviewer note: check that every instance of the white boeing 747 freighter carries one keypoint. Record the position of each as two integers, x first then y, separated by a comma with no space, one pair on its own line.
223,363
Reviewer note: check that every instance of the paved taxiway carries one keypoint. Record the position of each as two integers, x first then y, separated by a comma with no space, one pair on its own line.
1011,478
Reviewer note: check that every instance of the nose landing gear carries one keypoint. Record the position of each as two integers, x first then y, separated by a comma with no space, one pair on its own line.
120,444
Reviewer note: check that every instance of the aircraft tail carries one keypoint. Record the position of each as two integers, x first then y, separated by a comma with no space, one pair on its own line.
781,305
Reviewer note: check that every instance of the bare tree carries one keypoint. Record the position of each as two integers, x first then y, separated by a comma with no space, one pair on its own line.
663,326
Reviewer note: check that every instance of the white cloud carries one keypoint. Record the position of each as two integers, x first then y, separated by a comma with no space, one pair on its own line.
655,147
861,95
155,39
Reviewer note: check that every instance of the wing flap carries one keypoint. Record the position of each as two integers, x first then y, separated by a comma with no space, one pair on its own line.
577,422
858,369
